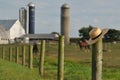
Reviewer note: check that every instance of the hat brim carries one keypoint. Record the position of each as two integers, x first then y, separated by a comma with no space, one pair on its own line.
90,41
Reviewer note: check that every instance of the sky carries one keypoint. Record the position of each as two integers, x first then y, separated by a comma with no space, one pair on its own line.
98,13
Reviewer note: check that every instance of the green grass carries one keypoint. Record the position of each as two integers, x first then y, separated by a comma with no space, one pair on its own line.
13,71
77,64
111,74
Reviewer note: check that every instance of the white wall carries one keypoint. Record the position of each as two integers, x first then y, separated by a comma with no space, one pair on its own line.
16,30
4,40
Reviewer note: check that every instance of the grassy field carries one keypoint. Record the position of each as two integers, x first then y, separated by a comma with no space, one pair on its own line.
77,64
13,71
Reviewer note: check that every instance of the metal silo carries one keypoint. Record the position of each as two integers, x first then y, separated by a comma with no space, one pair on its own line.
23,18
65,21
31,18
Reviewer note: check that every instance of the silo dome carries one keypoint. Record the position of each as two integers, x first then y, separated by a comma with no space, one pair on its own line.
31,4
65,6
22,8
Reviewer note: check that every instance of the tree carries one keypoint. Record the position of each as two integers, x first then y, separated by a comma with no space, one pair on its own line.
113,35
84,32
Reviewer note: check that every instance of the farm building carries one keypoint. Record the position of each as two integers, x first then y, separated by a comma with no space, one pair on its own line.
9,30
4,36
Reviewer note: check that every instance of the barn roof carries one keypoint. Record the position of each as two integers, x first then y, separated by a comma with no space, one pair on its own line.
7,24
41,36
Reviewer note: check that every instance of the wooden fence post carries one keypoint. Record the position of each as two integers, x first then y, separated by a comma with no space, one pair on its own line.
10,53
17,54
42,55
23,55
61,58
97,60
31,57
3,52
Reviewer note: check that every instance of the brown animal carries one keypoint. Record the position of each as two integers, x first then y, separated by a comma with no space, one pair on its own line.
83,45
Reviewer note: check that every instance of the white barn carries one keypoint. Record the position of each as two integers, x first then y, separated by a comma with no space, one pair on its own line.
9,30
4,36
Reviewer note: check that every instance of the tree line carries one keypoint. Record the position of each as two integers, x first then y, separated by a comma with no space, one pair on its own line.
112,34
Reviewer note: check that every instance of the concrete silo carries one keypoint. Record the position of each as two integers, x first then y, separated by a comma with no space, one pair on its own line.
65,21
23,18
31,18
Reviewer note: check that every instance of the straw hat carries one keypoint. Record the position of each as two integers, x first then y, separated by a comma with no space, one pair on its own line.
95,34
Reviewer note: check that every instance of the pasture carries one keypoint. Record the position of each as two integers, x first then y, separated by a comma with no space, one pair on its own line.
77,62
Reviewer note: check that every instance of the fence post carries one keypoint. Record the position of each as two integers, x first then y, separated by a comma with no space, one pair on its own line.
23,55
17,54
3,52
97,60
10,53
61,58
31,57
42,55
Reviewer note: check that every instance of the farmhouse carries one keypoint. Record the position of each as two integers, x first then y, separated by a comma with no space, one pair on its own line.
9,30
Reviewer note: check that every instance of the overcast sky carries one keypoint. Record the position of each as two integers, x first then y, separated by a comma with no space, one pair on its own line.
100,13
